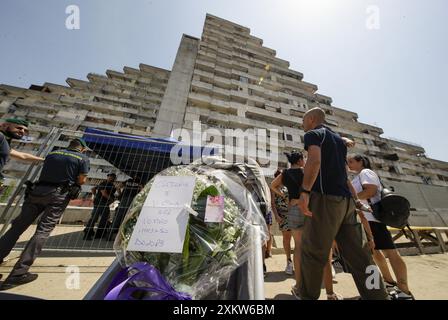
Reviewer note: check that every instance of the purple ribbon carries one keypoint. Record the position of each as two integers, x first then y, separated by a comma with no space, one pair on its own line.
155,284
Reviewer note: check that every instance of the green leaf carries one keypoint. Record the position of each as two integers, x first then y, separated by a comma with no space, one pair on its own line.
209,191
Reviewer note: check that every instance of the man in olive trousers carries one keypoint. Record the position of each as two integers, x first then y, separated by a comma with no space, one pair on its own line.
330,212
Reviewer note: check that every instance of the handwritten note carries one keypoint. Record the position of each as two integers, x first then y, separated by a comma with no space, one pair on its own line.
162,223
171,192
214,211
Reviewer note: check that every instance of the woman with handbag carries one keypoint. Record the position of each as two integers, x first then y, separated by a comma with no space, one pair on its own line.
368,187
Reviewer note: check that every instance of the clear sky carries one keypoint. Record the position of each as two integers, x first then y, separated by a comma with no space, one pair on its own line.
384,59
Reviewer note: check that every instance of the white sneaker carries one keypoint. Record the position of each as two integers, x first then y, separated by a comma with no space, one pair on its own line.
289,268
400,295
391,288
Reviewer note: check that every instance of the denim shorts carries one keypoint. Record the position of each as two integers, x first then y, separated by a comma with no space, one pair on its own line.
295,218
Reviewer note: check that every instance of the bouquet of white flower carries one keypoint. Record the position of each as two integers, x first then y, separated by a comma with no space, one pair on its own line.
212,250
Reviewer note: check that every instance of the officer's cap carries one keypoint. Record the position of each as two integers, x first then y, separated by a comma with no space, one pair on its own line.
20,121
82,142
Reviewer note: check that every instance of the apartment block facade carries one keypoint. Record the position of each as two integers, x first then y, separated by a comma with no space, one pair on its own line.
123,102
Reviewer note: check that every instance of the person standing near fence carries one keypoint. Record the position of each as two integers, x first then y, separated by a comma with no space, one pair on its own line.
13,128
104,195
63,173
326,200
280,210
130,189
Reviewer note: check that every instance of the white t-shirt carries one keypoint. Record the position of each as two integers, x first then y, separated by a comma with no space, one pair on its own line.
367,176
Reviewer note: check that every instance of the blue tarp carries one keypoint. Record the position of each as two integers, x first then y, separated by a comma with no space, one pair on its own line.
129,141
137,156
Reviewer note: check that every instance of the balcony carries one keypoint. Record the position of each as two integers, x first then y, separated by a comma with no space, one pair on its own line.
273,116
202,100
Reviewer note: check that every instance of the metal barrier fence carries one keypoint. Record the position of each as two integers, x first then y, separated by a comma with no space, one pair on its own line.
126,156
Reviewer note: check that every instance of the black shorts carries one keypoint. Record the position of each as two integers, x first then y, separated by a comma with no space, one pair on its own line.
381,236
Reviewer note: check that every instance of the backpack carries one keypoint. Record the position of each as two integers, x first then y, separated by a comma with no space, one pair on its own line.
393,210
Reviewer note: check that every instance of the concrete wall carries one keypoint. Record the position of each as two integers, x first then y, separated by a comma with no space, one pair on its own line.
429,203
72,215
172,110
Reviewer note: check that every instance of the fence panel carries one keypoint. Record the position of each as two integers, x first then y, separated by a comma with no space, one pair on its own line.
127,156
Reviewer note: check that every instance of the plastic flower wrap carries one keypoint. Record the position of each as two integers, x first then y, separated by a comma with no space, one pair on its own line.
212,250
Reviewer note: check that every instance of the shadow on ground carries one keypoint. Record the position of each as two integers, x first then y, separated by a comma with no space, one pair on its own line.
277,276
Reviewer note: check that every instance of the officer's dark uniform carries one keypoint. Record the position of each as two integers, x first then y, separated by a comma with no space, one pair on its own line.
130,190
48,199
100,211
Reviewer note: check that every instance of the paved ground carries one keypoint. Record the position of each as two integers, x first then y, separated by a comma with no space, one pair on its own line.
428,278
66,237
58,275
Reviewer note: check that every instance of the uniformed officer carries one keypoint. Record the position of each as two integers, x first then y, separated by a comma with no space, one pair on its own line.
13,128
104,196
130,189
63,172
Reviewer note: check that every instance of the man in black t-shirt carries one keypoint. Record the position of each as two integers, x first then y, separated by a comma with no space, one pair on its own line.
326,200
104,195
13,128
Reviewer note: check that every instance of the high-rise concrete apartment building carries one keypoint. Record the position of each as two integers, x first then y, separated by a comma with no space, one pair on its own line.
125,102
230,80
225,80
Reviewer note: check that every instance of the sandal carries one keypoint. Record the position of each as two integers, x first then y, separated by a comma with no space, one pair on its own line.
334,296
295,292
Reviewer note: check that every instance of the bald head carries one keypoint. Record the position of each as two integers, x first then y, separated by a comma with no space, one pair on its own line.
313,118
317,113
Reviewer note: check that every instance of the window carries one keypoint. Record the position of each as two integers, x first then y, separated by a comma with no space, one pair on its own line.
393,170
12,108
420,155
288,137
391,156
244,79
426,180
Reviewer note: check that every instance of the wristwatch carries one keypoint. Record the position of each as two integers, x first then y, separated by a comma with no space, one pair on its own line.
305,191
